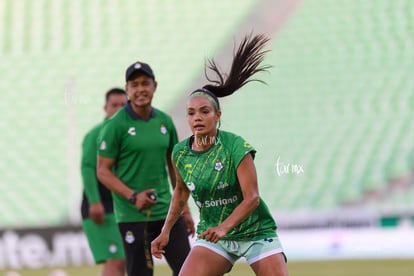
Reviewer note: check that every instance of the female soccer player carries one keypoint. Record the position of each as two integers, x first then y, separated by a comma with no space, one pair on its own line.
216,167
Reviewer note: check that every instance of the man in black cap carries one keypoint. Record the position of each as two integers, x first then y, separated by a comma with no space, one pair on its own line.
135,148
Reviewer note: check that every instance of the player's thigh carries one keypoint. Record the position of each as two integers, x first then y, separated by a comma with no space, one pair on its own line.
273,265
203,262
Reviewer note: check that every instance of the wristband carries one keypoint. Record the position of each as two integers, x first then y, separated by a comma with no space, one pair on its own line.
133,198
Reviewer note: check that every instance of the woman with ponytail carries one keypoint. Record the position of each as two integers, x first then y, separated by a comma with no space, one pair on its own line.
216,167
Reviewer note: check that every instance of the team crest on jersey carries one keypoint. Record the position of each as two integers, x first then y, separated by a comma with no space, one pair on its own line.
129,237
218,166
113,248
103,145
191,186
131,131
163,129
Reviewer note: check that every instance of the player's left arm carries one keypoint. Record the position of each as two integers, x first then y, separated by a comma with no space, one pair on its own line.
246,173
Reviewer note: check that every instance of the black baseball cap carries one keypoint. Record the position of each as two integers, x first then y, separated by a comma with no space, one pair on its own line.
141,67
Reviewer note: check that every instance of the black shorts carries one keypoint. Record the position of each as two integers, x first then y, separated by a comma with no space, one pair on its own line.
133,238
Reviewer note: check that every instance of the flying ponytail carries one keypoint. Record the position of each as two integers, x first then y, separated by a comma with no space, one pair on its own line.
246,63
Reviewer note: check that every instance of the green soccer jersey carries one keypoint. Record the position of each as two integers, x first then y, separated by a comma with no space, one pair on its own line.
140,148
211,178
94,190
88,165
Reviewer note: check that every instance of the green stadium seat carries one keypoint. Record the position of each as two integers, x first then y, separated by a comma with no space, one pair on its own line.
339,99
59,58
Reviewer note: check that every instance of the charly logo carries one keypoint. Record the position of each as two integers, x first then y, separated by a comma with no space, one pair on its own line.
129,237
131,131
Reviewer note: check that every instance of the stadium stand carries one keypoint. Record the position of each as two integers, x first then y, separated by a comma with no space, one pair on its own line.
338,104
58,58
332,127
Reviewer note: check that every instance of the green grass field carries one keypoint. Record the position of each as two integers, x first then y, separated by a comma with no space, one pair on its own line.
314,268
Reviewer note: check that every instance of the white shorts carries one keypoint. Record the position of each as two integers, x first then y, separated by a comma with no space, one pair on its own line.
253,251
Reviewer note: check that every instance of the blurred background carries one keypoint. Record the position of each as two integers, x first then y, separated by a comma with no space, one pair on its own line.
332,127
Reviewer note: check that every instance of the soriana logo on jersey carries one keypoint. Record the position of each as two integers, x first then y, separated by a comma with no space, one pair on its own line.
220,201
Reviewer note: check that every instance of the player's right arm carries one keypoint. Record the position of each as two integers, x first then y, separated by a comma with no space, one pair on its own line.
109,179
113,183
88,169
178,202
90,182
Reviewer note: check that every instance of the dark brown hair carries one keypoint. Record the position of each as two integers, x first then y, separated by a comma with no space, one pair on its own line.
114,91
246,63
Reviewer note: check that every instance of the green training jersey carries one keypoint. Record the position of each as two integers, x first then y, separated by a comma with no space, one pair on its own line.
88,164
211,178
94,190
140,148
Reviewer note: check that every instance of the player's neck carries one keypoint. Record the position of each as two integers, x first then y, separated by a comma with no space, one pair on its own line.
143,112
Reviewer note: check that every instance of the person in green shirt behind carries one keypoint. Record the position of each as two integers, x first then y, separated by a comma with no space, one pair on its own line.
98,220
134,162
216,167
